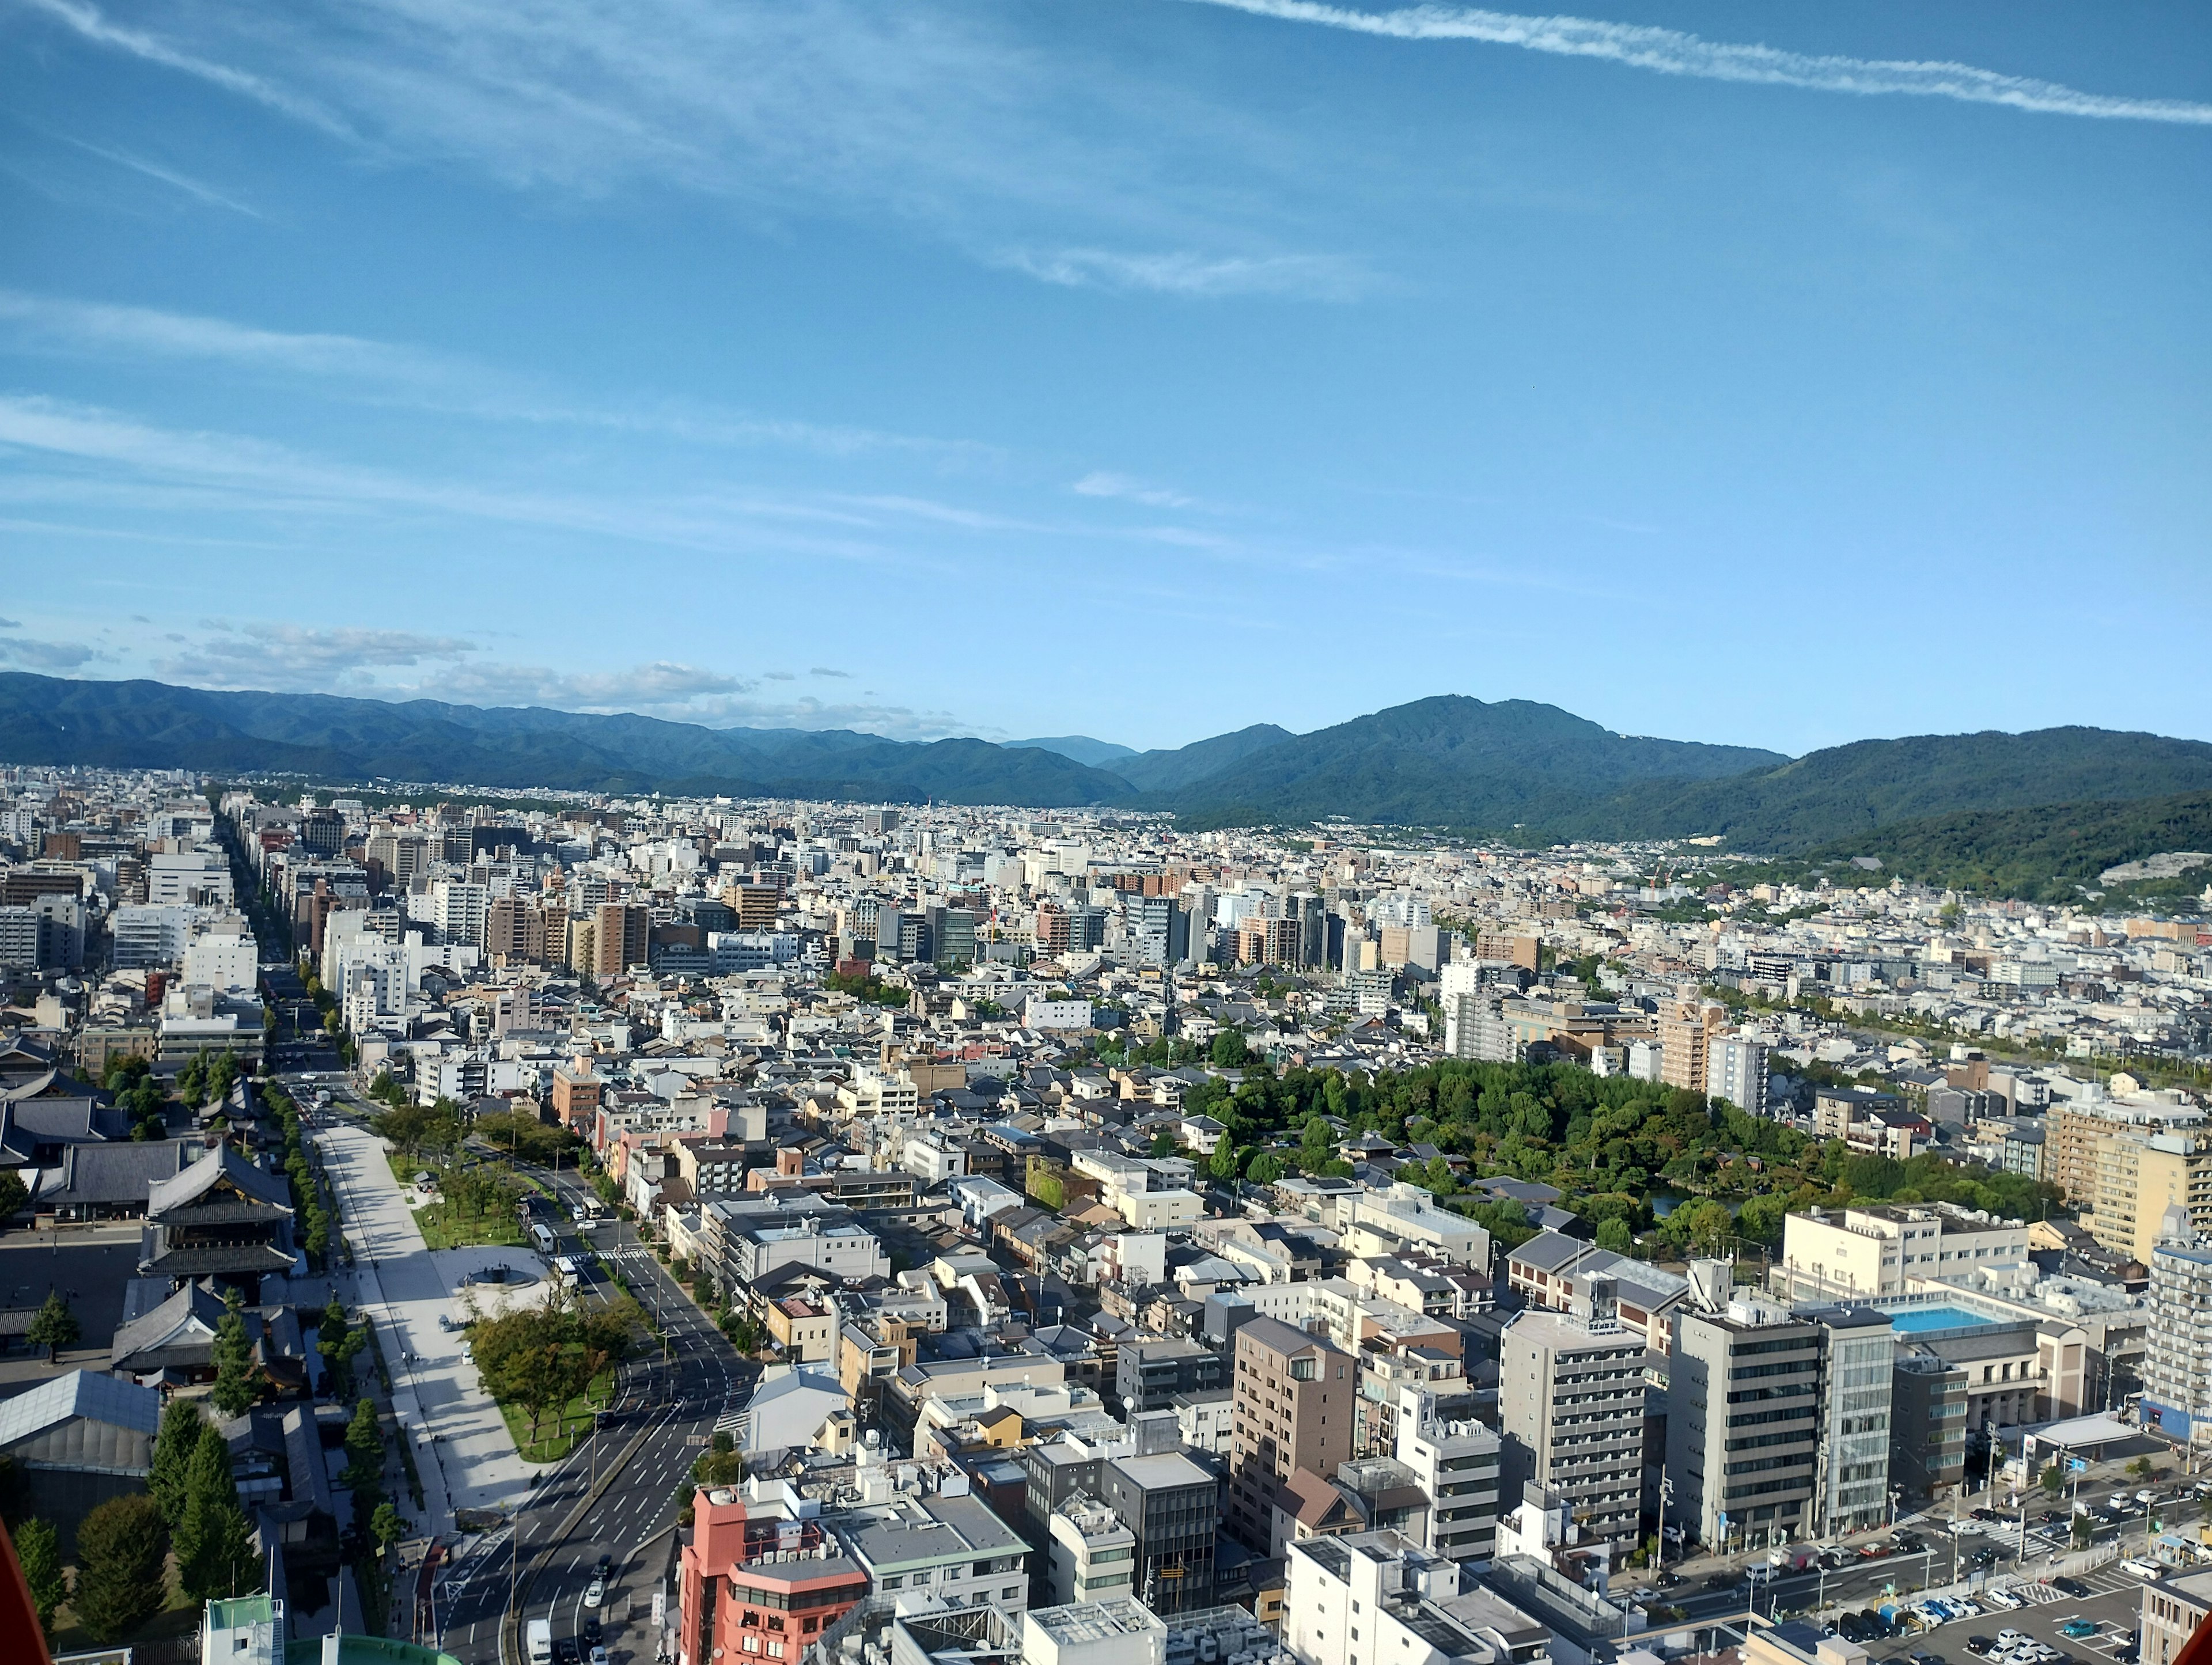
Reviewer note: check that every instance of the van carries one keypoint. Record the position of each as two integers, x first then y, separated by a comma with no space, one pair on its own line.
537,1642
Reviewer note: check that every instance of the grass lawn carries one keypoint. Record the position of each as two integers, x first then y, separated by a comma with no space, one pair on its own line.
446,1224
575,1420
442,1228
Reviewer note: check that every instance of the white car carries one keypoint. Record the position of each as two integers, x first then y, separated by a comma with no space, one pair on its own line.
2005,1599
595,1592
2143,1569
2012,1638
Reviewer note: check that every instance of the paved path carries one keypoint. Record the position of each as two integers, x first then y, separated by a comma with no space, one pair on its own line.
471,1463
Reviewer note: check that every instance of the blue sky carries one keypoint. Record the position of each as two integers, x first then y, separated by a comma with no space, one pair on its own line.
1778,375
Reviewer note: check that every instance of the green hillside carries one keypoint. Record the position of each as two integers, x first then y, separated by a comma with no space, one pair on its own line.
2049,853
1450,760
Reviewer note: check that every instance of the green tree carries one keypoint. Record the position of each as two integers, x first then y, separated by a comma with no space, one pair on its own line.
1264,1169
214,1544
15,1195
1702,1225
364,1444
1165,1143
1228,1051
38,1547
387,1527
181,1427
235,1390
1615,1234
2054,1480
120,1549
55,1327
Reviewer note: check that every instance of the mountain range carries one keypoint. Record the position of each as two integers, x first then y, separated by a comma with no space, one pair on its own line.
1512,768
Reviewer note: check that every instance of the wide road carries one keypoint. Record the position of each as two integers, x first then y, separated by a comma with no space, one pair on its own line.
675,1402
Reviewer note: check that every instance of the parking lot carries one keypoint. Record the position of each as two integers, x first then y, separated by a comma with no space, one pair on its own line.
2113,1607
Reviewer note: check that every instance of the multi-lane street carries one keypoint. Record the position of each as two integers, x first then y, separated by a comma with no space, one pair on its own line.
671,1402
614,1496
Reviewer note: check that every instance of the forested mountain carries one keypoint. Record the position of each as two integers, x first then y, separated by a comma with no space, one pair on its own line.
1848,791
2047,854
1954,807
1451,760
150,725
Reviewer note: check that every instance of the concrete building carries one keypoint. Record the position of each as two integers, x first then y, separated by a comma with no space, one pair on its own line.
1376,1598
1113,1630
1092,1556
1150,1375
1293,1409
2173,1610
1853,1474
1571,1401
1874,1251
1743,1423
1928,1427
1457,1463
1735,1069
760,1588
1172,1507
2135,1176
2178,1363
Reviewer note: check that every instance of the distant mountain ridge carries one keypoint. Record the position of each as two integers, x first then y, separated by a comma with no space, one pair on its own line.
1514,768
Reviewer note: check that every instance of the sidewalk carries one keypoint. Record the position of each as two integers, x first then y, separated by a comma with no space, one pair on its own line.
471,1462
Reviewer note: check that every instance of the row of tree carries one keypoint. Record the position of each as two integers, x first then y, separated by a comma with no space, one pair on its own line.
310,1210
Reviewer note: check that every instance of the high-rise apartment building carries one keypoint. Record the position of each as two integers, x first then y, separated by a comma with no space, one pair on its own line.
1570,1401
2135,1176
1686,1028
1743,1423
1855,1420
620,937
2178,1365
1735,1069
1294,1407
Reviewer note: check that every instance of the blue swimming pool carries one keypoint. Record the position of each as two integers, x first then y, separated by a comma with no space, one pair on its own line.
1935,1318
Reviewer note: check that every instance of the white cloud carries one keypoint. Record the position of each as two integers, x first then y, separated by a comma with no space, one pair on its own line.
90,23
975,123
248,472
353,366
402,664
1103,484
259,653
1199,276
193,188
1672,51
28,654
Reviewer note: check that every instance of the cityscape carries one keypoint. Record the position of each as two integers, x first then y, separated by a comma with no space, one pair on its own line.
1105,832
660,1228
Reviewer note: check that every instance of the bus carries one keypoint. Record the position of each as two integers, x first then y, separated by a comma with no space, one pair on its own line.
541,1235
564,1269
589,1212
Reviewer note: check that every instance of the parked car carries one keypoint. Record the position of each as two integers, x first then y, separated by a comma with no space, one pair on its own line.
2137,1566
1981,1646
2073,1587
2078,1628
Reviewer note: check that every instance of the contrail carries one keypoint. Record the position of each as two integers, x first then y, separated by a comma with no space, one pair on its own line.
89,21
1671,51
